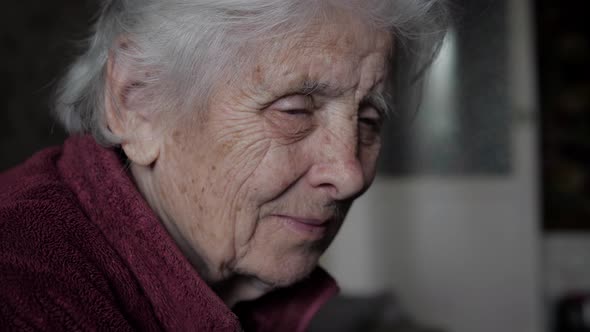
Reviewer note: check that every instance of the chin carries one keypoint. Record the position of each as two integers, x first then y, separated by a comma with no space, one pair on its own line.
282,270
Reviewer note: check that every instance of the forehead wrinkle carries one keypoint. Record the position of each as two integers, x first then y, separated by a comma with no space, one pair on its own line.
314,78
304,62
300,77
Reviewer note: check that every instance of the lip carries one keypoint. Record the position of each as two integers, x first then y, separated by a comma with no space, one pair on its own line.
315,228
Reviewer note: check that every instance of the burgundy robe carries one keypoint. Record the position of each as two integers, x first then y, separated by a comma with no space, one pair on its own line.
80,249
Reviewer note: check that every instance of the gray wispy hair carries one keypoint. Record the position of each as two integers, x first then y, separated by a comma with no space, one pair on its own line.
180,48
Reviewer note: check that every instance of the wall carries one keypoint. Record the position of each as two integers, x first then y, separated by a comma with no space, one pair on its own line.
462,253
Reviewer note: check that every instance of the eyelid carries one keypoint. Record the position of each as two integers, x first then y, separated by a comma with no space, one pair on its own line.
378,102
368,104
293,102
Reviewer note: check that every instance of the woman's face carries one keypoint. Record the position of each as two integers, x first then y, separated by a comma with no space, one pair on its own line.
260,183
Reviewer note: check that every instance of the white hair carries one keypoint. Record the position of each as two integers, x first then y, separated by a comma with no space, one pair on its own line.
181,48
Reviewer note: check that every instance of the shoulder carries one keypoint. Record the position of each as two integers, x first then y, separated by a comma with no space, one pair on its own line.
39,215
56,269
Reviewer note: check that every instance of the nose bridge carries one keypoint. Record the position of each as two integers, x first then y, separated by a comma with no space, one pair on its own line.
337,165
341,139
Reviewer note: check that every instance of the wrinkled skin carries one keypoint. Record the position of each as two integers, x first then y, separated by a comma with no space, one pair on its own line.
238,187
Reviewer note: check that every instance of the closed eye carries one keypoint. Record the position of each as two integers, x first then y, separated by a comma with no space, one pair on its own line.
370,115
294,104
291,117
370,121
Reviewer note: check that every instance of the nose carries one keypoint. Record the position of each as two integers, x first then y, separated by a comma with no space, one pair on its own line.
338,168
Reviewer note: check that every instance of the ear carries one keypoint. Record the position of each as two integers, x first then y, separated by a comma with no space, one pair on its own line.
127,106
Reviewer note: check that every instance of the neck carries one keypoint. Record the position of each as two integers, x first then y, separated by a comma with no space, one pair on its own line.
240,288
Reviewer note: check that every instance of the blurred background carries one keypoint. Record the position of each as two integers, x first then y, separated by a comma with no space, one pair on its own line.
479,219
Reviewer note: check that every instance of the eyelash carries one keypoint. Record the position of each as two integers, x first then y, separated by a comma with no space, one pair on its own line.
370,121
297,112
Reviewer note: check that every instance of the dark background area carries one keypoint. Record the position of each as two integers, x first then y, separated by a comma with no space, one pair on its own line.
563,48
38,40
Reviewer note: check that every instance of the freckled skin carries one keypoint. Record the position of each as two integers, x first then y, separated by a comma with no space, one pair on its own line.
219,182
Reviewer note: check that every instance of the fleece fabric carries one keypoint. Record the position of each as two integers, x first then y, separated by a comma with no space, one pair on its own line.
80,250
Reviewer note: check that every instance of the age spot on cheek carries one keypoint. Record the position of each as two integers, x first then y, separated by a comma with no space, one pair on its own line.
258,75
226,147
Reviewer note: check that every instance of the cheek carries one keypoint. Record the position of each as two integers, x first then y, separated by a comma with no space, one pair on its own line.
250,169
271,162
281,167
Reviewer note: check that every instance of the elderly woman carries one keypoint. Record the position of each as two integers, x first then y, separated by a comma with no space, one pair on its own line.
219,146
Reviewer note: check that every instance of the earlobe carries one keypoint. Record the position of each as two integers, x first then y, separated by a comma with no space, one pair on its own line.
126,110
144,154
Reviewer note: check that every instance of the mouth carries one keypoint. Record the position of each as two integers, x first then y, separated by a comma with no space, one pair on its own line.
313,228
